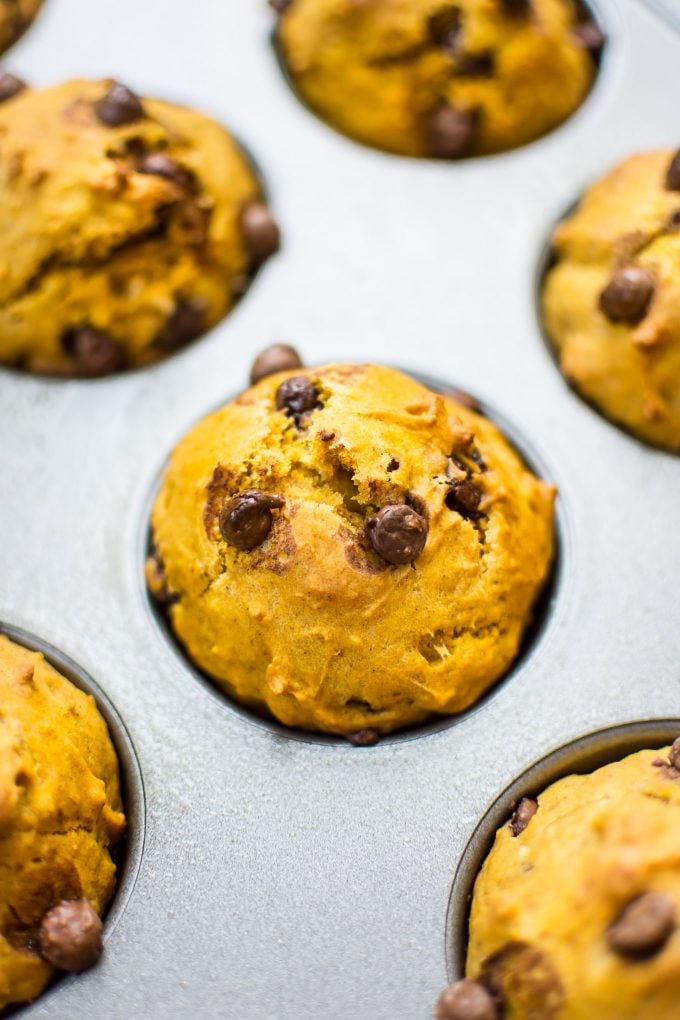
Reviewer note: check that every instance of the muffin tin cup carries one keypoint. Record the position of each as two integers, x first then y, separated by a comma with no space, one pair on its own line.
128,854
581,756
593,9
252,276
546,262
536,632
299,878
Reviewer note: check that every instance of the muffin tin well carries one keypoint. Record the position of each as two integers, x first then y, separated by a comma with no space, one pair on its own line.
547,260
295,878
586,754
590,14
16,18
128,854
535,633
136,241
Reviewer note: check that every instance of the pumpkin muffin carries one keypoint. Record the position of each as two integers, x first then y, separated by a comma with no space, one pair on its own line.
349,550
611,302
15,17
576,910
60,815
129,226
436,78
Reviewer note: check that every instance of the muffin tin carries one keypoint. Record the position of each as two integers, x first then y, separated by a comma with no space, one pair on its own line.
281,875
128,853
581,756
540,618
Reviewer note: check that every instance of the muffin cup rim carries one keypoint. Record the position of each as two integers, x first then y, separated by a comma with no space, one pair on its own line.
580,756
133,793
602,12
546,608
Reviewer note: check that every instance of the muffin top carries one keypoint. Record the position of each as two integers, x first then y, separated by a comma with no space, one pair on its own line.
60,810
15,18
128,226
612,300
575,911
349,549
434,78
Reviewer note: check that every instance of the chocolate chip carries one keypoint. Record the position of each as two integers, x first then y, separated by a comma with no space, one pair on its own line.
187,322
393,465
450,133
364,738
464,498
464,398
157,581
669,769
70,935
444,27
95,352
10,86
246,519
524,812
296,396
158,164
119,106
398,533
280,5
261,234
590,36
643,927
476,65
277,358
673,173
192,221
466,1000
627,296
674,754
477,458
516,8
674,219
523,977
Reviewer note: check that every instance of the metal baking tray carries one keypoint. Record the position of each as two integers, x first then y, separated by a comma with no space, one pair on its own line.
271,874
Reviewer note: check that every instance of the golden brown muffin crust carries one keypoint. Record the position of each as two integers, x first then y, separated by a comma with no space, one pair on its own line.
60,810
128,227
432,78
15,17
324,620
612,301
575,916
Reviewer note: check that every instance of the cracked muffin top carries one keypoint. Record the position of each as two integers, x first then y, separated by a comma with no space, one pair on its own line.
60,814
612,301
348,549
576,910
15,17
129,226
440,79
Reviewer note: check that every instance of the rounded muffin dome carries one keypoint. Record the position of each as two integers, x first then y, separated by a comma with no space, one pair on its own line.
436,78
349,550
16,16
576,911
60,817
130,226
611,302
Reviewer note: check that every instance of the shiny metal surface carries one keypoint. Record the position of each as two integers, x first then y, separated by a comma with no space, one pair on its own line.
285,877
668,9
